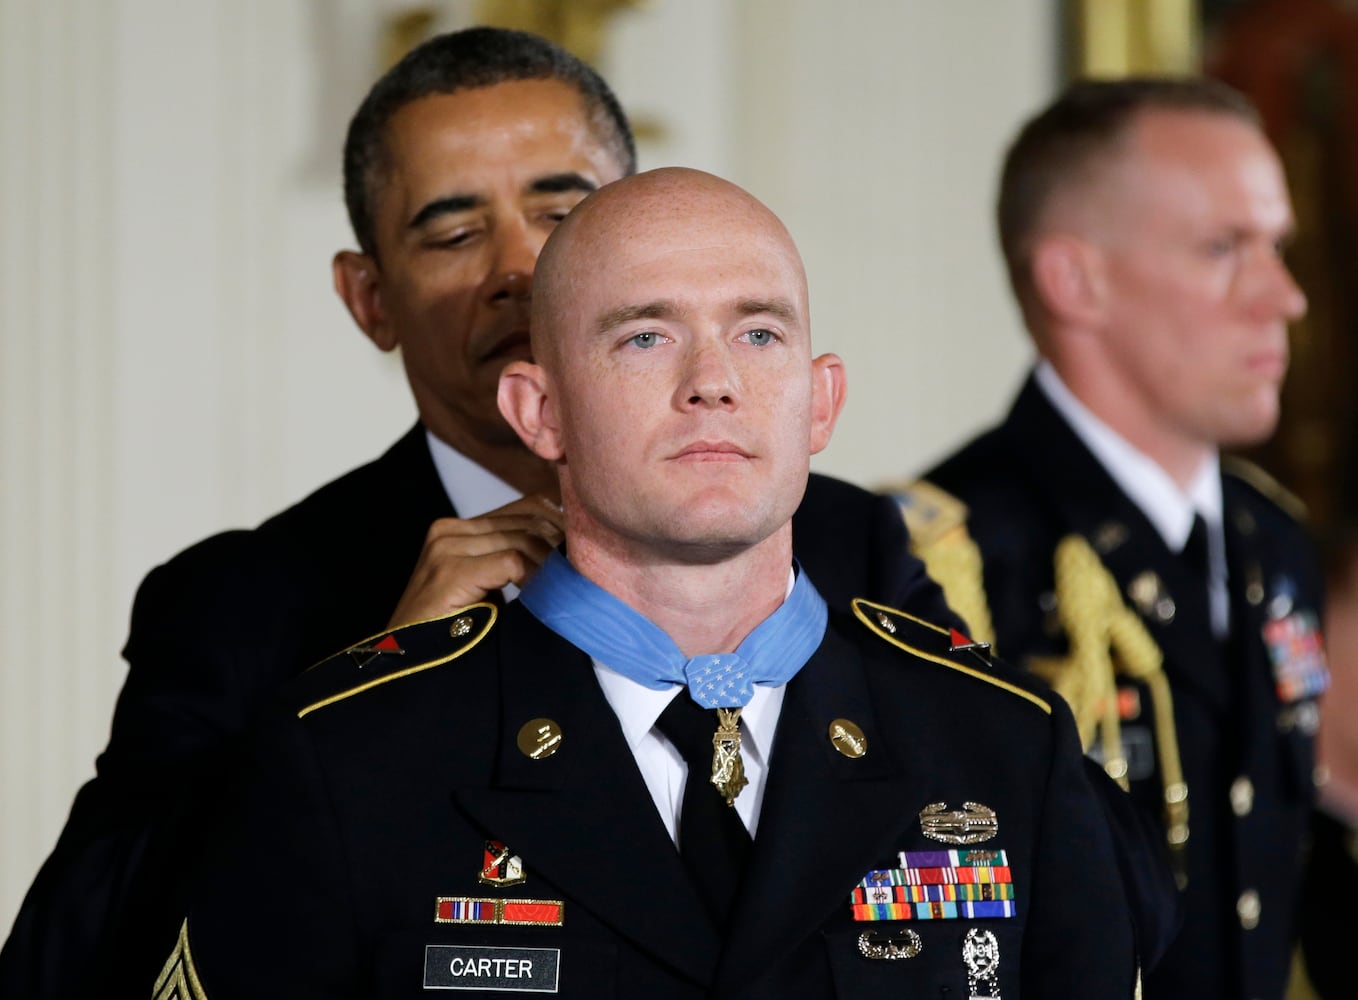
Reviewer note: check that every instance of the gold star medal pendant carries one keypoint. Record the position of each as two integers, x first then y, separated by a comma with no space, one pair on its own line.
723,681
728,770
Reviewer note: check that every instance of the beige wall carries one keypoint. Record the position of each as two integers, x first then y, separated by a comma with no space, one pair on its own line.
173,361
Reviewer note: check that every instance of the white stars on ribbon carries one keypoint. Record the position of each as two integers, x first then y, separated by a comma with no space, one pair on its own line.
719,681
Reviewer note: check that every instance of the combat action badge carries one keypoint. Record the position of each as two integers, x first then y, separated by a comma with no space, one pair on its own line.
971,824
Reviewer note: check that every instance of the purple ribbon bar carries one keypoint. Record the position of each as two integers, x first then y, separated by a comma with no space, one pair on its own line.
927,859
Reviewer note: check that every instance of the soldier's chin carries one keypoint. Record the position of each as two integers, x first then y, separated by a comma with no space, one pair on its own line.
705,545
709,550
1253,427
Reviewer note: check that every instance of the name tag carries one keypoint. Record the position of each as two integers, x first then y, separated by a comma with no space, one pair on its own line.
514,970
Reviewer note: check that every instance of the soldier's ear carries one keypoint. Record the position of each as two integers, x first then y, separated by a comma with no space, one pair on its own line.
828,387
358,282
1067,275
527,404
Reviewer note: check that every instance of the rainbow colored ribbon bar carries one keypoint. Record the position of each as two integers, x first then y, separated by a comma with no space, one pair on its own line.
512,912
937,885
1298,656
945,893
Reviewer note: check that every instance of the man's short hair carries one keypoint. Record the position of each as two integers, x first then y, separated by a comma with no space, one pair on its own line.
467,60
1086,123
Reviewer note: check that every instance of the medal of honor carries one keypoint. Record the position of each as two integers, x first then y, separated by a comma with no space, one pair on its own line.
631,645
728,770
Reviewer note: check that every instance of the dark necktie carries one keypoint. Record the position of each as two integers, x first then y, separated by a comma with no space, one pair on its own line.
1196,558
713,842
1195,552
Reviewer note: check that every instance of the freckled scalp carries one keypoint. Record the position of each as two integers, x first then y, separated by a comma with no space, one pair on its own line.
666,200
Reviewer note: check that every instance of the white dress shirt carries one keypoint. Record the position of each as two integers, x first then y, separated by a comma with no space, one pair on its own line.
662,766
1169,508
471,489
475,491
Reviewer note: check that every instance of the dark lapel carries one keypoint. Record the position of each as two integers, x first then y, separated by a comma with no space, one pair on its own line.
1087,501
340,559
407,468
583,816
1250,588
823,824
410,468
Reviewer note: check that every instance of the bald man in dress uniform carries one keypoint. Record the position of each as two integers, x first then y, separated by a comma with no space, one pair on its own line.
669,769
457,165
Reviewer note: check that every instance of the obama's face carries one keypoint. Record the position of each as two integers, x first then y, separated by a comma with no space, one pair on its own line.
472,184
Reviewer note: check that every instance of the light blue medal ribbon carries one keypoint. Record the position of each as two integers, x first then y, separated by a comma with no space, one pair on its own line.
625,641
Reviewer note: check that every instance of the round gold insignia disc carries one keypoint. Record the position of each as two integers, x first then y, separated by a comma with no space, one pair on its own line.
848,738
539,738
1109,536
461,625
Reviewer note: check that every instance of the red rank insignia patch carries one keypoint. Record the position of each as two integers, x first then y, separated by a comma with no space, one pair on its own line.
499,866
960,642
365,654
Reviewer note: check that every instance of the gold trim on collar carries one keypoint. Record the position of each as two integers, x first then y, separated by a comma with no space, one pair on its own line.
471,641
859,604
1252,475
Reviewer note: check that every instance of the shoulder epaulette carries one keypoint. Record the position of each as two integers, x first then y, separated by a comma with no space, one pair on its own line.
1264,484
947,647
929,512
388,656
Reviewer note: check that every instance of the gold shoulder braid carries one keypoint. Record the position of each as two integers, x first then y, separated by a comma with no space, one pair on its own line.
1107,638
936,644
937,522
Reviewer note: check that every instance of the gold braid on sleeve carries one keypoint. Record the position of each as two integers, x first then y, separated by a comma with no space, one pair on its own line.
1107,638
178,980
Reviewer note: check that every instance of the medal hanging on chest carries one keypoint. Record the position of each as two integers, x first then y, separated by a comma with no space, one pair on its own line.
628,643
728,770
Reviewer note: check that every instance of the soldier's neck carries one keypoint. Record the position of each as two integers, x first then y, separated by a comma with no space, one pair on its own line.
704,607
